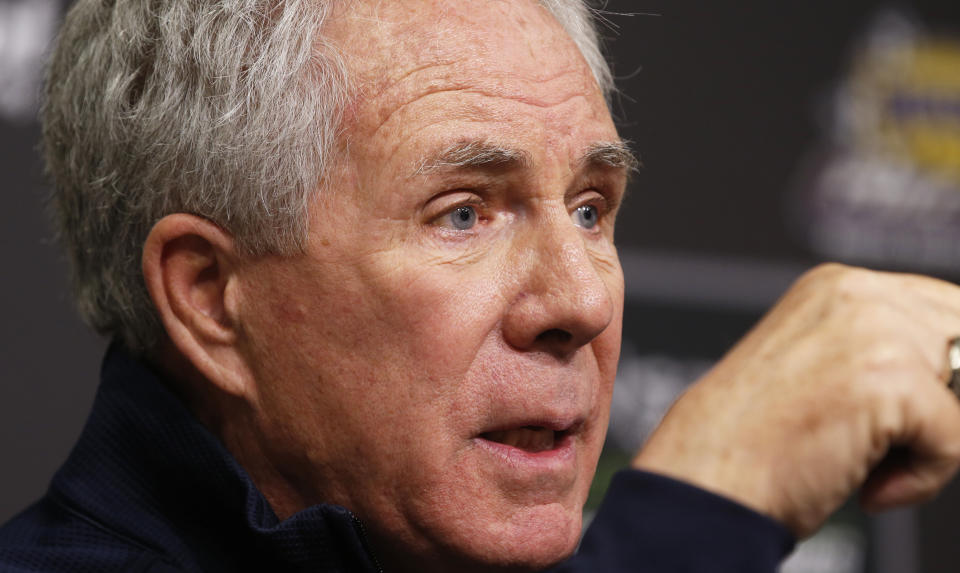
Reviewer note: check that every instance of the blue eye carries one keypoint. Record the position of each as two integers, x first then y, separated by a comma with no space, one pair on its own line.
586,216
463,218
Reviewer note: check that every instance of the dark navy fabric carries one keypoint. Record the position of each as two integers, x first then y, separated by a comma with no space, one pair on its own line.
148,489
651,523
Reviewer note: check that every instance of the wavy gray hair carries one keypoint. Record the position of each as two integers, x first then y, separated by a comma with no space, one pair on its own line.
227,110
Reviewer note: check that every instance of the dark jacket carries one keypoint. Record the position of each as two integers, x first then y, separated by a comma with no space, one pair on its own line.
148,489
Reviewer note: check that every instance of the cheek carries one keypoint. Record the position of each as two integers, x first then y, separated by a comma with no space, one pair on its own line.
441,315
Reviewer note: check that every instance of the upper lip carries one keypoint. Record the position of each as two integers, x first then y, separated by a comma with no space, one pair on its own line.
566,424
563,402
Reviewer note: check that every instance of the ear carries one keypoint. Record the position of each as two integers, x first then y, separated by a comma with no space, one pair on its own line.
190,269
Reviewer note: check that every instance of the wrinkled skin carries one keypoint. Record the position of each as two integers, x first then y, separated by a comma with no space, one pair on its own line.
848,366
440,358
383,352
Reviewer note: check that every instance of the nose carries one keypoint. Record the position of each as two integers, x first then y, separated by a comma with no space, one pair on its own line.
561,301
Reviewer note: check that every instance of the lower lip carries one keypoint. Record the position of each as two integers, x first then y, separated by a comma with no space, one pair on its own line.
557,459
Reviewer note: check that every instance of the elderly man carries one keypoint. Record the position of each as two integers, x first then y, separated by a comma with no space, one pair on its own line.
358,261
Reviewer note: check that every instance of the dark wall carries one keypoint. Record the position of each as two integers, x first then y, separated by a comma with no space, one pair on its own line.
725,101
48,360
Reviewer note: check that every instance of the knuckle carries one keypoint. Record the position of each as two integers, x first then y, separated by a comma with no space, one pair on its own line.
836,282
852,282
885,373
827,272
858,301
887,355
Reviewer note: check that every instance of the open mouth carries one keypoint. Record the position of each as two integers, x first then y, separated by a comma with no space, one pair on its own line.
531,439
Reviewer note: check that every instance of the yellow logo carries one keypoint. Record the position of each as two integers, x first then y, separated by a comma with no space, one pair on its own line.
908,97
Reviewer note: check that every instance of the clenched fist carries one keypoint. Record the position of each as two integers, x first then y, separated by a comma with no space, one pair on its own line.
841,385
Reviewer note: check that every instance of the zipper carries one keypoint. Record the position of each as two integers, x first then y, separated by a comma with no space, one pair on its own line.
364,540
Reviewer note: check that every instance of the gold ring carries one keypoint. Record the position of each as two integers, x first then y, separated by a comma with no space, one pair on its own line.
953,360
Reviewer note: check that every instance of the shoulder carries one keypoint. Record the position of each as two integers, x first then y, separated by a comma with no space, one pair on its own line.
50,538
654,520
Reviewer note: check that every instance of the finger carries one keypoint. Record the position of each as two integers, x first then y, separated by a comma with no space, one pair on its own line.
941,301
939,292
928,458
920,308
924,303
901,480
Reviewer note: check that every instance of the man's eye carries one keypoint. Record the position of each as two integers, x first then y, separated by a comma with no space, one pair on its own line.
586,216
463,218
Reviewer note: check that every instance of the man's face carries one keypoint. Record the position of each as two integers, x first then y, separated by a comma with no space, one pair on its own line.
441,358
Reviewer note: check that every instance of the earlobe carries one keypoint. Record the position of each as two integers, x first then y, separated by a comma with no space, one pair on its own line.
189,265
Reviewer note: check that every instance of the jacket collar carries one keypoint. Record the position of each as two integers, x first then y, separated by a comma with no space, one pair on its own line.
147,470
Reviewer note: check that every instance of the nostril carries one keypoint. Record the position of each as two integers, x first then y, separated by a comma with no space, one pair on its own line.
554,336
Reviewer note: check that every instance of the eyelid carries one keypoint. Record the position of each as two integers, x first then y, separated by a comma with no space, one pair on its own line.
595,198
443,204
606,210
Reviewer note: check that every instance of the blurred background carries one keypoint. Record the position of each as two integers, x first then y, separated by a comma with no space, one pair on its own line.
773,136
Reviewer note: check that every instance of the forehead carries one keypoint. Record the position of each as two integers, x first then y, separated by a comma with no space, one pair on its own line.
502,60
384,42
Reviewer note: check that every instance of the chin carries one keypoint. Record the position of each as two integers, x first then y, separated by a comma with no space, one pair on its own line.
541,551
535,540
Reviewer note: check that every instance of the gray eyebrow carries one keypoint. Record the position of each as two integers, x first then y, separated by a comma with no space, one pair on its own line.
615,154
473,154
478,154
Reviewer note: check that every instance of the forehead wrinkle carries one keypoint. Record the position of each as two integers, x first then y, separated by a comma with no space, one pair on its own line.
473,154
470,69
497,87
385,84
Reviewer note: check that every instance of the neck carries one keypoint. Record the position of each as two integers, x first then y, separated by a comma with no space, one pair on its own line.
232,419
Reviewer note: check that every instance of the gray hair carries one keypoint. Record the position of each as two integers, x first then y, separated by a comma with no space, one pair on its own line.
227,110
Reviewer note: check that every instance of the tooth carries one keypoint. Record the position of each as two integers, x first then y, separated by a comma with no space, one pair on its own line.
499,436
535,439
531,438
544,440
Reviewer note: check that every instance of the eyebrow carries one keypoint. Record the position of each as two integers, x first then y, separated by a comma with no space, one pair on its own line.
613,154
473,154
479,154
